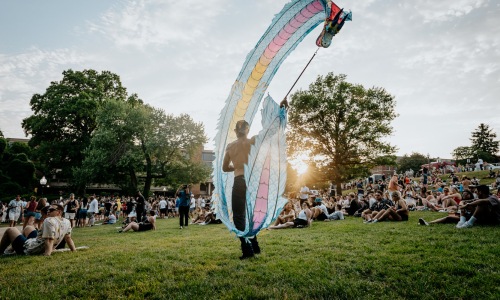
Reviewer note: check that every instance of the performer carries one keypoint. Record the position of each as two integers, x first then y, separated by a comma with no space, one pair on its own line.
237,154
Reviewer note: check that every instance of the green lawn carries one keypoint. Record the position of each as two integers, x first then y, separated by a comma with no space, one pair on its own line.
335,260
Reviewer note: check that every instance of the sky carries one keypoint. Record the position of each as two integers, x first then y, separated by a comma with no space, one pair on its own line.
439,59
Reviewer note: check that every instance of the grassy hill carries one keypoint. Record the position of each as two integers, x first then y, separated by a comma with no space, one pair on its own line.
331,260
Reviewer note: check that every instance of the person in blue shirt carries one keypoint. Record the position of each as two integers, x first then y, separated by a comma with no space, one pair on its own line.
184,198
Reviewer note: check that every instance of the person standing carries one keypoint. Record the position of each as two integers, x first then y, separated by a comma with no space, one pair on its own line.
72,206
304,194
14,210
183,195
163,207
237,153
29,216
92,210
141,202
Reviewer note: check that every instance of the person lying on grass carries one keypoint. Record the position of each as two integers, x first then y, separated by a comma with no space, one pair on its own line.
304,219
486,209
454,218
54,231
336,215
149,224
398,212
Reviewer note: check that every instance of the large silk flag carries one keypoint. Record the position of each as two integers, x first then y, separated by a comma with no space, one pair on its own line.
265,173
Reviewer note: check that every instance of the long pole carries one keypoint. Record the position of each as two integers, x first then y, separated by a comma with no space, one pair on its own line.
301,73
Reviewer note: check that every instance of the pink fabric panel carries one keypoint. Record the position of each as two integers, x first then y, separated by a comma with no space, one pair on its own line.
260,208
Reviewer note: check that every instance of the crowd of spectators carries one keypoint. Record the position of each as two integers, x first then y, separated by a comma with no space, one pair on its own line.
464,201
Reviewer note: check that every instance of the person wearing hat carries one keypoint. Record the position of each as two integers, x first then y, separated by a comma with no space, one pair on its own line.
54,231
235,158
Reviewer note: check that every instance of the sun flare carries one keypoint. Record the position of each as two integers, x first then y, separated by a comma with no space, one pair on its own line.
299,163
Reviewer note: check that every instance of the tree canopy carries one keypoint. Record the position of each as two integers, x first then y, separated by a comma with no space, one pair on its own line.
342,125
135,143
483,142
17,171
413,162
483,146
64,117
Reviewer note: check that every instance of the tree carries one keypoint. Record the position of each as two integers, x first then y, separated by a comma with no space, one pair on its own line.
412,162
462,154
134,141
484,144
17,172
64,117
342,124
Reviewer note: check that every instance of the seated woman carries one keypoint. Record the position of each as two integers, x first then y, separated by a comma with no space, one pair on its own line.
286,215
467,197
149,224
451,200
399,212
304,219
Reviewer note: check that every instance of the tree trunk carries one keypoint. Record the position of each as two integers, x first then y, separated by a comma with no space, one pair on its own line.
133,178
339,188
149,177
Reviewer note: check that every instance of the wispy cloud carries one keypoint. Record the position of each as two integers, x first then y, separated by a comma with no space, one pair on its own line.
144,24
24,74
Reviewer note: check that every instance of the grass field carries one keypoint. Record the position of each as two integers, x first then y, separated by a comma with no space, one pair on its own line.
335,260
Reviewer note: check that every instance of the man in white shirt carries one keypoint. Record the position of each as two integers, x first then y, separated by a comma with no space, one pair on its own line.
163,207
304,194
192,206
15,206
93,209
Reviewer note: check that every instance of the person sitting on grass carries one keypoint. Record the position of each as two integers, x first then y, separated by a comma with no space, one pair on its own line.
304,219
454,218
286,215
486,209
110,219
336,215
399,212
429,202
319,212
450,200
54,230
381,205
149,224
199,216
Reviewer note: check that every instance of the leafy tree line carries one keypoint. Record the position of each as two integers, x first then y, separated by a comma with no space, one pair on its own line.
483,146
90,128
341,126
17,171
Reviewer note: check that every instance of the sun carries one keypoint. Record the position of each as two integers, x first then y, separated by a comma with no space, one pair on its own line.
299,163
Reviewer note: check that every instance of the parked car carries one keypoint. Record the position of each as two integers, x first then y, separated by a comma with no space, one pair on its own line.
493,166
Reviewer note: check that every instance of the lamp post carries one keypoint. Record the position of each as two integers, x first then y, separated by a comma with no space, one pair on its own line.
43,182
164,191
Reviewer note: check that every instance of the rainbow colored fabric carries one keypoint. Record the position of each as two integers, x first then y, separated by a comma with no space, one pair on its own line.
265,173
